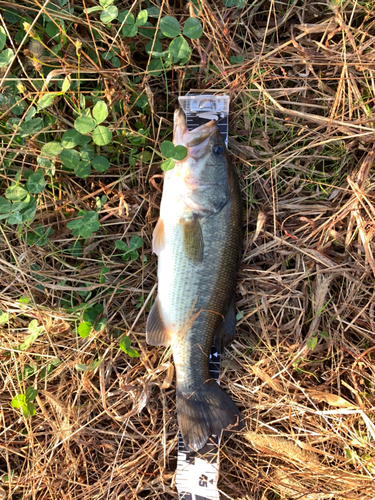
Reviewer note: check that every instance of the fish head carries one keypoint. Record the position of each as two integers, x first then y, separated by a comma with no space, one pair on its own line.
207,160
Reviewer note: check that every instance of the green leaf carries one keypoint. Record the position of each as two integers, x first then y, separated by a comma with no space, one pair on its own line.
46,100
120,245
154,65
180,153
129,30
66,84
28,409
86,225
40,237
81,367
70,158
3,38
31,394
18,107
4,318
91,313
116,62
84,124
167,149
72,138
197,7
106,3
96,8
142,18
83,169
94,364
15,218
240,4
5,206
6,57
36,183
102,135
100,163
44,162
51,149
30,127
100,112
179,48
11,15
148,30
49,368
91,367
142,101
24,299
125,346
167,165
109,14
153,11
324,335
28,212
52,30
15,193
136,242
236,59
75,249
107,56
84,329
126,16
239,315
33,325
18,401
30,114
28,341
133,254
98,309
156,47
86,153
100,324
169,26
311,343
193,28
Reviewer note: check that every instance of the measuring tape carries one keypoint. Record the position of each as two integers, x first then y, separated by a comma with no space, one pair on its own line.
198,471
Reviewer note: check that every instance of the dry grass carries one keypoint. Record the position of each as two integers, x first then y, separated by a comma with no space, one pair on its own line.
301,367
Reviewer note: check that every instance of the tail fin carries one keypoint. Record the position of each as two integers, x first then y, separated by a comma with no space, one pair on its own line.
205,412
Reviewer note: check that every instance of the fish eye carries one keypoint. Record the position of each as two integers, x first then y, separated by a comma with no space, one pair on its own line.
218,150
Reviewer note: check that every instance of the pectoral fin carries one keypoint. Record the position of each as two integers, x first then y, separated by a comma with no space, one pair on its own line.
225,334
158,238
193,240
156,332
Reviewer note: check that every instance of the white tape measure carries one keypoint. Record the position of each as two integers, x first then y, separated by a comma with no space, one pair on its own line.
198,471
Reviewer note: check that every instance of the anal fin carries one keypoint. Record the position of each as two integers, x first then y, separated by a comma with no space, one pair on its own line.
156,332
227,329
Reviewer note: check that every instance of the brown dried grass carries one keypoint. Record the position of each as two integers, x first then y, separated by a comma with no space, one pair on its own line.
302,140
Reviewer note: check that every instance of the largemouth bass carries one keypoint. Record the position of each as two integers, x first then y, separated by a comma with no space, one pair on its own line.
198,239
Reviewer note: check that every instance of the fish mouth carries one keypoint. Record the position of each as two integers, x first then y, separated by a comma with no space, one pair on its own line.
196,140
